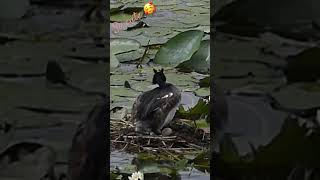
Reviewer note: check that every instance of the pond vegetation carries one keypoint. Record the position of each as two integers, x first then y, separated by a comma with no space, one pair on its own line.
174,38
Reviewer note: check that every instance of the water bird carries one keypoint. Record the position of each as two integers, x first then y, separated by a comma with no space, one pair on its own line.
89,150
219,114
154,109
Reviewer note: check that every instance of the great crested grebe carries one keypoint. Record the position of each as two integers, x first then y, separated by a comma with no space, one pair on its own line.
154,109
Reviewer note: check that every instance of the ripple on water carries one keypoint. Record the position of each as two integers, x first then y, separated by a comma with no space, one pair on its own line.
120,159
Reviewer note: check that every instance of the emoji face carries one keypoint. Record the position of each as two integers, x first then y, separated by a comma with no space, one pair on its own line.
149,8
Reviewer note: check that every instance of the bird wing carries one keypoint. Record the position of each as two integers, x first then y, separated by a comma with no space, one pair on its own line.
134,111
154,101
163,103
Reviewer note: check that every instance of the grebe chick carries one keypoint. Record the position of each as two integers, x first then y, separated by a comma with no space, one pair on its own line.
154,109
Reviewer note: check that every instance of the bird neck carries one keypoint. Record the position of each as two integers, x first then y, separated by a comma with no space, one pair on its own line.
162,84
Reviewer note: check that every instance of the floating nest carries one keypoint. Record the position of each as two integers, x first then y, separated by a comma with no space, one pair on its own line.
184,138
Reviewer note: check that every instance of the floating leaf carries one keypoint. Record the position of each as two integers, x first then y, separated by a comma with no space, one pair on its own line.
196,112
200,61
205,82
120,17
196,18
121,45
114,62
297,97
203,92
202,161
130,56
31,160
180,48
123,92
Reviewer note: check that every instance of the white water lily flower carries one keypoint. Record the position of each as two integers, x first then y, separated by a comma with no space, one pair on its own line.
136,176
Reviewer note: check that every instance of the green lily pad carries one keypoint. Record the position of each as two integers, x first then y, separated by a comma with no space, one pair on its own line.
142,86
196,18
41,157
166,3
242,69
120,17
180,79
205,82
144,40
200,61
119,79
130,56
196,112
196,4
120,45
156,31
123,92
295,96
131,33
203,92
115,7
180,48
114,62
202,161
262,84
168,23
245,51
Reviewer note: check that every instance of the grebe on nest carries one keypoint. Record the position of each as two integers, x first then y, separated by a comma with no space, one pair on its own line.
155,109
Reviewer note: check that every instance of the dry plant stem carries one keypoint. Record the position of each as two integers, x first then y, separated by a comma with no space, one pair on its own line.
152,137
143,56
172,155
164,144
195,146
190,171
125,146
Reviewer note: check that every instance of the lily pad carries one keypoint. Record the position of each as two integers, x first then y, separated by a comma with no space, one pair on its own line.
33,161
130,33
114,62
120,45
168,23
242,69
205,82
203,92
245,51
123,92
156,31
196,18
196,112
120,17
180,48
249,83
296,96
180,79
200,61
130,56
